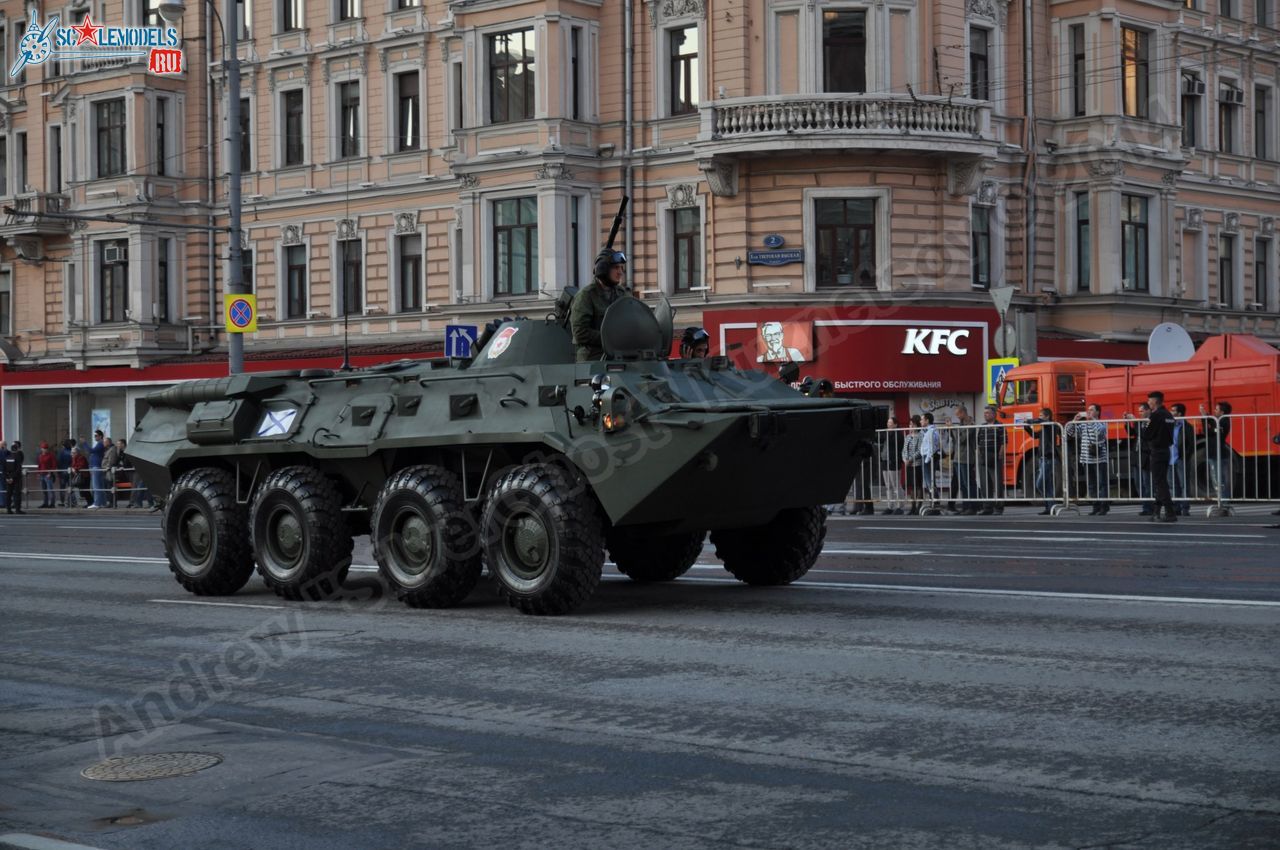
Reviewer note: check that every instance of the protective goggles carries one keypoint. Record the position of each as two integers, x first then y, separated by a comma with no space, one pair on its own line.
617,258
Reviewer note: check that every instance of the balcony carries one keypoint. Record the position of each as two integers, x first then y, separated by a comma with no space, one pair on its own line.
27,219
867,122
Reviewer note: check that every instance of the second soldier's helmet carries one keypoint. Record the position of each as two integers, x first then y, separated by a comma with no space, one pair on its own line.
607,259
691,339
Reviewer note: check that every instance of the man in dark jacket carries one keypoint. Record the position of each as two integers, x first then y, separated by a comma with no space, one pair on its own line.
989,457
590,304
13,479
1157,436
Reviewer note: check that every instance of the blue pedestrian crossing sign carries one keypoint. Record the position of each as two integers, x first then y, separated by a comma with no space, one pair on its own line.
996,367
242,314
458,340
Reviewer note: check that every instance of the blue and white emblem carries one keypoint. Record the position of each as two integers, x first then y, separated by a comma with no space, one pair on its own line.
277,423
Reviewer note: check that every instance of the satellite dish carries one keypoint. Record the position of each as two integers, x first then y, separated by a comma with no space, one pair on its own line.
1169,343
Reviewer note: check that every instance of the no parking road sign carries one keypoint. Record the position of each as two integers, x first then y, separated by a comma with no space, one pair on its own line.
241,314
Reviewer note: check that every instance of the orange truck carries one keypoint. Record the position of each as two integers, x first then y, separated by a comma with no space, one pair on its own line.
1237,368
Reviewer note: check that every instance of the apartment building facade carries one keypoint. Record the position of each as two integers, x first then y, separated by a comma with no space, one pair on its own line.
411,164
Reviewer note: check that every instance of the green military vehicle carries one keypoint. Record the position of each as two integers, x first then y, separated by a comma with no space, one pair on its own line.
518,458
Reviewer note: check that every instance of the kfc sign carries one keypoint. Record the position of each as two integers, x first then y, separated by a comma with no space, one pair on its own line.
933,340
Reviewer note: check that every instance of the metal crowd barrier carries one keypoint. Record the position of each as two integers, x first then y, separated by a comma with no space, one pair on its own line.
114,487
1063,468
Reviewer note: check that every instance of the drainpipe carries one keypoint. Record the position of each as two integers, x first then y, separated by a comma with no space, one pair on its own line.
1029,177
628,138
211,180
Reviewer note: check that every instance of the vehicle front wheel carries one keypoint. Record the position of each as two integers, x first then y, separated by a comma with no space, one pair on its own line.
648,558
543,539
300,538
778,552
205,535
424,538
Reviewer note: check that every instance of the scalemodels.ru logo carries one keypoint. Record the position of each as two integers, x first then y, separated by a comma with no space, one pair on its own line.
88,40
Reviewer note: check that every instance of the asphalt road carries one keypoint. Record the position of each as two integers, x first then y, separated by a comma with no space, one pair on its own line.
940,682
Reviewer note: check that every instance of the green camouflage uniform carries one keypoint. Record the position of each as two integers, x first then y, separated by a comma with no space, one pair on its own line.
587,313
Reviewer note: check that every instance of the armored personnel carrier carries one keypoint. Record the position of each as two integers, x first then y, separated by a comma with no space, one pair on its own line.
519,458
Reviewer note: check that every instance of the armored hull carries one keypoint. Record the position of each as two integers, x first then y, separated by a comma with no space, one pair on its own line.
519,458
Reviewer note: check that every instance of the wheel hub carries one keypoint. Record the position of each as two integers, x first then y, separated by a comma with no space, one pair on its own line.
196,531
528,544
287,536
415,543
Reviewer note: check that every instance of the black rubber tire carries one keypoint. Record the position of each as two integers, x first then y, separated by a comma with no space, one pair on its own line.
309,507
427,502
649,558
561,510
779,552
203,502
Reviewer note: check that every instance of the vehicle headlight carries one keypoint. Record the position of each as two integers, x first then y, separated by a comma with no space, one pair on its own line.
618,407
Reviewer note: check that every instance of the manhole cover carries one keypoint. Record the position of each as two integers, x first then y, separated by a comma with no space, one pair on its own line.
149,766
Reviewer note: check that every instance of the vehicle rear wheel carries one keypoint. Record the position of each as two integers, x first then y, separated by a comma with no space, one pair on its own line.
778,552
300,538
644,557
205,536
424,538
543,539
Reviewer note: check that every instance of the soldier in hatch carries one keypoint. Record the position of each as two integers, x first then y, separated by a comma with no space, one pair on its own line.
590,304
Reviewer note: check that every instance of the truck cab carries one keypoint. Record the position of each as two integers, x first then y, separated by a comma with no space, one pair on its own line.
1056,384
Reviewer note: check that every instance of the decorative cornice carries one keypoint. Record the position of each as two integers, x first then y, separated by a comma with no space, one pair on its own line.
346,228
406,222
1195,219
1231,222
988,193
1106,168
291,234
722,176
553,171
992,10
1268,226
661,11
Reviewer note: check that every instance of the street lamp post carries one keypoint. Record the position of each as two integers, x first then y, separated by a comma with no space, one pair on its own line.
172,12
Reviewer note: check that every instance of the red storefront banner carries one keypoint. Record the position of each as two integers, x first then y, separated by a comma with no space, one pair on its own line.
881,350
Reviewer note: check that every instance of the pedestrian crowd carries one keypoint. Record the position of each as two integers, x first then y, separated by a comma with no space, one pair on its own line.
76,473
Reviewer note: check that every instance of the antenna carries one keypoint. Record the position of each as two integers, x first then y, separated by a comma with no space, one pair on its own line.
1170,343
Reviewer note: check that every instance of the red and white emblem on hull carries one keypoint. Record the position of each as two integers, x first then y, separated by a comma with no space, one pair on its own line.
501,342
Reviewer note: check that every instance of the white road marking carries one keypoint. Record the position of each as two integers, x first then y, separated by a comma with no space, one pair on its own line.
874,552
155,527
975,591
115,559
855,572
1074,530
214,604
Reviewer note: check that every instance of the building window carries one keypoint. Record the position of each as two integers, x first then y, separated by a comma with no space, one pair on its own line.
20,179
1227,9
162,136
1078,89
1262,10
4,165
1192,91
291,15
575,237
1084,243
1133,239
846,230
246,134
980,238
408,117
55,160
109,126
575,74
408,4
6,302
149,12
162,279
1261,122
19,32
349,119
409,285
979,63
244,19
844,51
348,10
511,76
294,128
515,246
1135,72
1229,100
350,268
683,57
1226,271
687,249
295,264
1262,273
246,271
113,280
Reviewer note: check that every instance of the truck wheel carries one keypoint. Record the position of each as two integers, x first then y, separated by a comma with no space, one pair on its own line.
543,539
776,553
423,538
300,537
645,558
205,535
